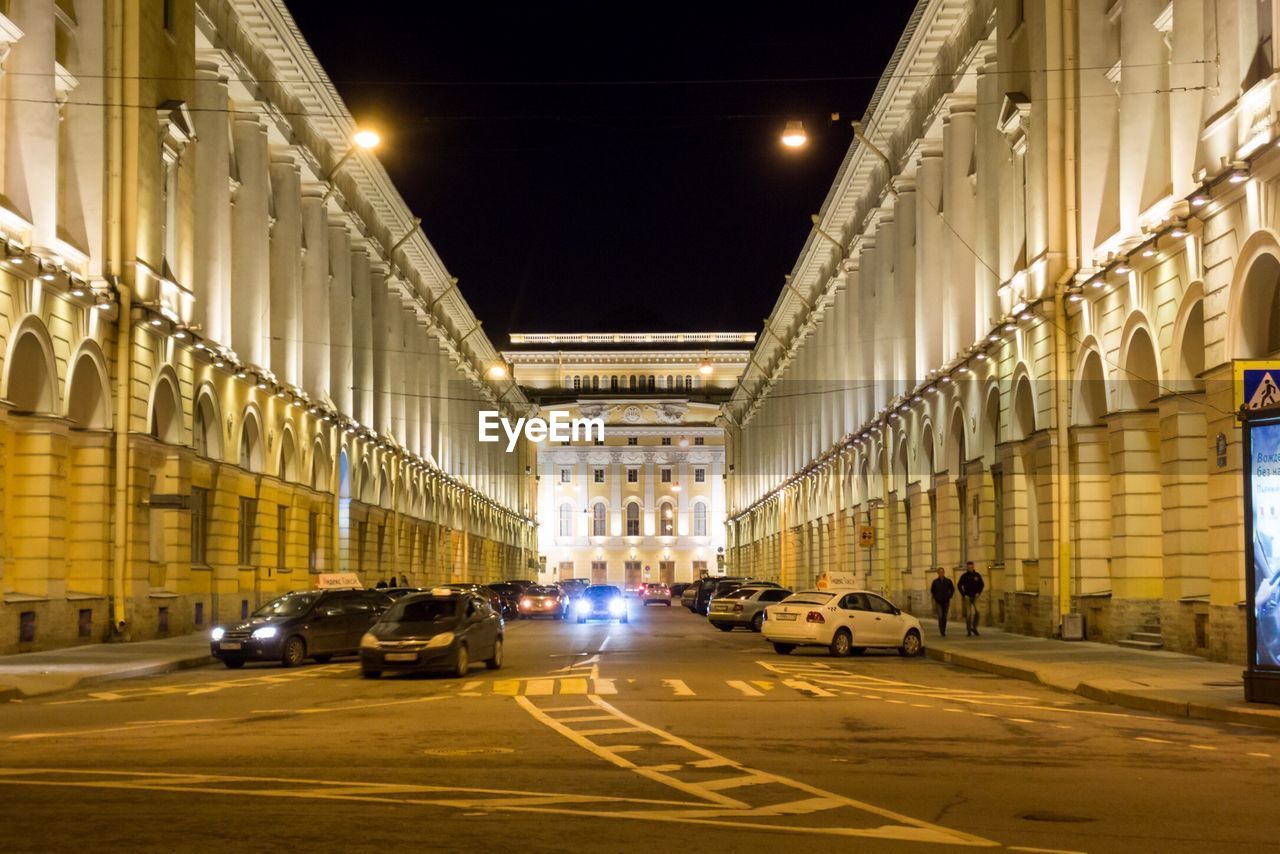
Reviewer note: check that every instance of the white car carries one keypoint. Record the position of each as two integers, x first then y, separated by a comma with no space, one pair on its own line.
844,620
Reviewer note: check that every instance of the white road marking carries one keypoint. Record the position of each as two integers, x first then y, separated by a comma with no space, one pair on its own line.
1202,747
605,642
135,726
678,687
747,690
604,686
1152,740
1260,755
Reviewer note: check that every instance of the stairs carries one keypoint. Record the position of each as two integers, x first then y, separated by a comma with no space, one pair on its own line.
1149,638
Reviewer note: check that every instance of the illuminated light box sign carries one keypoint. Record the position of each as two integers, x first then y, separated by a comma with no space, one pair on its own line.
1262,553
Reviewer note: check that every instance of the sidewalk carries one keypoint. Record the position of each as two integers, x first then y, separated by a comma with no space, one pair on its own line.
32,674
1165,682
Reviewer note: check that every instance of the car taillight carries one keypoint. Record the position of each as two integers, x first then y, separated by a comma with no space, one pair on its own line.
737,607
815,617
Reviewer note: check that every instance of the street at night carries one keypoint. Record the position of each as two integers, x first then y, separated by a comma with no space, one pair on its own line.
660,733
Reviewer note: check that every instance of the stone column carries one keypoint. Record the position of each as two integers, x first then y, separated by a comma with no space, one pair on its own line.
1184,474
905,366
958,140
286,250
211,211
341,315
1091,466
931,259
1138,575
250,306
381,313
316,359
31,127
361,338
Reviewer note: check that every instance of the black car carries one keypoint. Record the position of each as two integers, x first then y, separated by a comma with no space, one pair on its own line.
487,593
600,602
440,630
706,587
316,624
510,593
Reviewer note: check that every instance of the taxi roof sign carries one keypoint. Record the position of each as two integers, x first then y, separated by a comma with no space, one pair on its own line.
338,581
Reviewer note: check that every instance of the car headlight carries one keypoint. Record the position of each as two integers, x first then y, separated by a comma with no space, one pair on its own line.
217,633
583,606
526,603
265,632
442,639
368,641
617,607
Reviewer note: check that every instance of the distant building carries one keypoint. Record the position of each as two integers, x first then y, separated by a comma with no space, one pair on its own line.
648,503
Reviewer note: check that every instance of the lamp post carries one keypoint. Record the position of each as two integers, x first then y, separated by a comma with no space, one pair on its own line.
366,140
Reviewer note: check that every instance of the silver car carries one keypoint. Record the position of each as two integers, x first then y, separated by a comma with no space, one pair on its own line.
744,607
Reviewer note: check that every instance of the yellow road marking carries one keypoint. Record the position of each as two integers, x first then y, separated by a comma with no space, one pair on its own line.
1202,747
801,685
540,687
573,686
762,684
604,686
747,690
678,687
510,687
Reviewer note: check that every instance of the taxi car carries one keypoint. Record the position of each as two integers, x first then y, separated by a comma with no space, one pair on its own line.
844,620
442,630
317,624
544,602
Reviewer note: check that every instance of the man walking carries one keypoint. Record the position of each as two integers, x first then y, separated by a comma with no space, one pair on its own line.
971,586
942,590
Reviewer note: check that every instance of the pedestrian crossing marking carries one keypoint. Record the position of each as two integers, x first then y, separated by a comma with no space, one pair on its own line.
509,687
573,686
746,689
678,687
540,687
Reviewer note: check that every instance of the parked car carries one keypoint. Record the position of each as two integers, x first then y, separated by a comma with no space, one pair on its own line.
689,596
677,589
842,619
317,624
744,607
441,630
544,602
487,593
655,594
601,601
573,587
510,593
703,595
397,592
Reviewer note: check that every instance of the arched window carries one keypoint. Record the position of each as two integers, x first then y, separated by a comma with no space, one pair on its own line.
653,382
666,520
598,520
613,383
577,383
595,383
250,444
568,381
688,381
671,381
566,520
699,519
633,382
633,520
206,435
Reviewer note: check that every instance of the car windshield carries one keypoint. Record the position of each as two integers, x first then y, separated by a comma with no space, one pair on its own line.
808,599
288,606
417,610
542,591
602,592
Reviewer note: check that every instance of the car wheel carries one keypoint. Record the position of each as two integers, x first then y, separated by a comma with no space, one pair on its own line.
911,645
841,644
323,659
295,652
757,622
496,661
724,627
783,648
461,664
370,674
233,663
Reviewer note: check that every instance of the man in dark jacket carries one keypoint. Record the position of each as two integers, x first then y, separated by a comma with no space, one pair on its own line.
942,590
971,585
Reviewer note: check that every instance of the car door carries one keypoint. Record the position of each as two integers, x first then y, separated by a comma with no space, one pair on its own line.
326,627
886,623
852,611
360,610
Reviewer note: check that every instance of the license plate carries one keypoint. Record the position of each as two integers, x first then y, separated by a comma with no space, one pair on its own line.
786,616
401,656
230,645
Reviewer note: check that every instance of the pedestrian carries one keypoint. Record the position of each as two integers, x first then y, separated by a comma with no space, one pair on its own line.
404,581
381,585
942,590
970,586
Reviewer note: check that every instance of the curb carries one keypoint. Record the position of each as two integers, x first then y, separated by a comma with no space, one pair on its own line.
1125,699
8,693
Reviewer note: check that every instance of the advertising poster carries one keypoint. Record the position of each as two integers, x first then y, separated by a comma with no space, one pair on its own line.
1264,480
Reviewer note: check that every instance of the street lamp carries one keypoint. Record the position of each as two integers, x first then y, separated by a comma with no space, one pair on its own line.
362,139
497,371
793,135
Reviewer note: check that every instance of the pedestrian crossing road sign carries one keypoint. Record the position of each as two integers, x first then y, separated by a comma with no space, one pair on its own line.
1257,385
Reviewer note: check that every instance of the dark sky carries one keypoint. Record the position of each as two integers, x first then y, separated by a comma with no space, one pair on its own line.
567,200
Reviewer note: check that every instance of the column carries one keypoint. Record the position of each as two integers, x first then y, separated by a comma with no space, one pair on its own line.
316,358
361,338
286,248
958,140
250,306
211,211
931,259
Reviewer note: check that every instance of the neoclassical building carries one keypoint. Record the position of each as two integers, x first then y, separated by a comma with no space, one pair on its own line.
231,359
646,503
1011,338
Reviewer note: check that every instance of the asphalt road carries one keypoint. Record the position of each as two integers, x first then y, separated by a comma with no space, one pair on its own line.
662,734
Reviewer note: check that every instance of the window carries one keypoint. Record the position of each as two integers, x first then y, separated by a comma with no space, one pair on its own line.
169,16
666,440
598,475
566,475
653,384
595,383
282,538
313,537
774,595
633,520
688,381
568,381
199,526
666,521
613,383
566,520
699,519
632,440
698,440
666,475
633,475
248,515
633,382
671,381
598,528
699,475
577,383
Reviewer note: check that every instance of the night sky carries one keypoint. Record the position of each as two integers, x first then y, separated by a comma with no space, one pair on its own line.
587,173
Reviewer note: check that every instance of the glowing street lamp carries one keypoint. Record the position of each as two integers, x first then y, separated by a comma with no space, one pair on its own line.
793,135
497,371
362,139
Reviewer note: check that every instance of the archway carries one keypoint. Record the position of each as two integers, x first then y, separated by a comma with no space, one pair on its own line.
287,470
206,428
1024,410
1090,403
1257,309
251,453
88,395
166,411
319,467
30,374
1140,384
